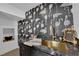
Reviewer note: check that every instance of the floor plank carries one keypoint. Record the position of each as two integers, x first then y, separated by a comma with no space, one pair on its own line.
14,52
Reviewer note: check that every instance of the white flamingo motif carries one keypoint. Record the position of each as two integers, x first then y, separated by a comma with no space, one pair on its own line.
66,22
58,22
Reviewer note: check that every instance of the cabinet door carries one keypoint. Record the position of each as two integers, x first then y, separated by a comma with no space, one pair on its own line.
25,50
21,50
37,52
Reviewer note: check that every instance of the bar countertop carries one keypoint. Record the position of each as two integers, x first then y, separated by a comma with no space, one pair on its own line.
51,51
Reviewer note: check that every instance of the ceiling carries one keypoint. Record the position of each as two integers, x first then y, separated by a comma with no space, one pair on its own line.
15,11
4,15
24,6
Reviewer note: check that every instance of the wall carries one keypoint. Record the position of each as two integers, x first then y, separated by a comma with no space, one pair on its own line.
7,46
75,11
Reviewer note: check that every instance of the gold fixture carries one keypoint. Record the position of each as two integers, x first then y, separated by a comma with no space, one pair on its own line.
50,44
70,35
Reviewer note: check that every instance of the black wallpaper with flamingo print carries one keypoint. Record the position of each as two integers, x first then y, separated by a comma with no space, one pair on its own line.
42,17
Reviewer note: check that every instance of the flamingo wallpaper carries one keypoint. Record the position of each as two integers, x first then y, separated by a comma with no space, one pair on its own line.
42,17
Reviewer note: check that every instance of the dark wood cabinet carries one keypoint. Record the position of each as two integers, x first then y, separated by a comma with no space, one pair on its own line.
38,52
25,50
31,51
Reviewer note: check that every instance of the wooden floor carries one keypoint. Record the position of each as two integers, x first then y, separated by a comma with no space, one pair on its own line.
12,53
